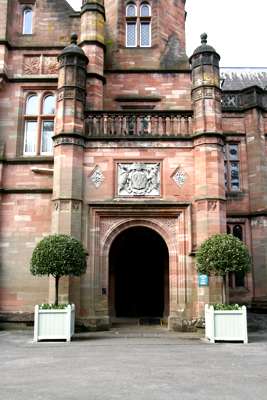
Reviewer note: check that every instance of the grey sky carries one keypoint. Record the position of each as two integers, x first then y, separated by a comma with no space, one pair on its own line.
236,28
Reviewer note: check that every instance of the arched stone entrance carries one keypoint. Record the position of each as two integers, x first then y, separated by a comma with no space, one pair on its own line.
138,274
170,223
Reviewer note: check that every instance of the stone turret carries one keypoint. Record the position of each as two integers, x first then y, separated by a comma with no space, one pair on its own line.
210,203
93,44
68,150
71,89
206,92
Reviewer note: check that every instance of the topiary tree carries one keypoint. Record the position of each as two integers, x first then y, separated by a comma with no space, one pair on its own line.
58,255
221,254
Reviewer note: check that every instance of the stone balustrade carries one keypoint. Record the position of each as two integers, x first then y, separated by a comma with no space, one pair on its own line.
141,124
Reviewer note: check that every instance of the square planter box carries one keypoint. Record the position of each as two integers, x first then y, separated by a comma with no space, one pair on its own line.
226,325
54,324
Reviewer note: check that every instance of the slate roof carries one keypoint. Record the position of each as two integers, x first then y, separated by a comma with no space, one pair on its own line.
238,78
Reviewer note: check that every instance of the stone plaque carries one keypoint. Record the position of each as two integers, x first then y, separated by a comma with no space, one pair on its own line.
138,179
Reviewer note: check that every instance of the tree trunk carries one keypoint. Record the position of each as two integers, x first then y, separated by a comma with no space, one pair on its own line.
224,289
56,292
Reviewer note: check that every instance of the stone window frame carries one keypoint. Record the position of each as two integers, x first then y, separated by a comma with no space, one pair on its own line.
138,21
227,167
39,118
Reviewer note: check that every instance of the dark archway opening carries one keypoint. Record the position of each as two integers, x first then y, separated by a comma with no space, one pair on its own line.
139,274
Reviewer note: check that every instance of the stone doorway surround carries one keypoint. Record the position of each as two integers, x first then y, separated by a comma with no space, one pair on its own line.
172,221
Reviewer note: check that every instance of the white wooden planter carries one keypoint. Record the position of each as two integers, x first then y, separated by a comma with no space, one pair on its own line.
226,325
54,324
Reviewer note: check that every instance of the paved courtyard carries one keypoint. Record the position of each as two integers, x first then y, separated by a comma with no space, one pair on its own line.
146,363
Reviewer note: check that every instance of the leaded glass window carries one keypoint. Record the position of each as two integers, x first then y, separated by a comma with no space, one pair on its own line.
131,10
145,34
138,25
145,10
131,34
232,167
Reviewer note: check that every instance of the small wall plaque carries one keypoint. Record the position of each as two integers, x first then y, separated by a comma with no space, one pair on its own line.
203,280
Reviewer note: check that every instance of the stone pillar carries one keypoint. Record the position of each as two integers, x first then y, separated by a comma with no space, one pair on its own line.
257,180
93,45
209,204
3,39
68,152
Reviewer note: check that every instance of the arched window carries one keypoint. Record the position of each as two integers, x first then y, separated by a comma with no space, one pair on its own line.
138,25
49,104
30,124
27,21
32,105
145,25
238,232
131,10
47,124
39,124
145,10
236,279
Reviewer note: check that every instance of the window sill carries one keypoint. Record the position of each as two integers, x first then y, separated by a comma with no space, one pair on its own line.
138,47
30,160
235,195
238,289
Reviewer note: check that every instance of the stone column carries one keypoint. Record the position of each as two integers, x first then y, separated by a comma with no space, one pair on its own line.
68,153
257,180
209,205
93,45
3,40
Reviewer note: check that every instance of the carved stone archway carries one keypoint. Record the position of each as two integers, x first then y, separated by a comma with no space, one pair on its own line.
106,222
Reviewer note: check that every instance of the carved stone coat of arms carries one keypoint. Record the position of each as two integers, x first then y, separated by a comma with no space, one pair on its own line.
139,179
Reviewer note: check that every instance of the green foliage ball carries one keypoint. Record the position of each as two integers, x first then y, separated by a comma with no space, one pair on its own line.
222,253
58,255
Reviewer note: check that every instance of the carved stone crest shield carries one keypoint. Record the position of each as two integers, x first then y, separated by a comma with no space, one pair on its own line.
139,179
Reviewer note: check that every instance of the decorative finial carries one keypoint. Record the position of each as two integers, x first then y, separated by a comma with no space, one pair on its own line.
73,38
204,38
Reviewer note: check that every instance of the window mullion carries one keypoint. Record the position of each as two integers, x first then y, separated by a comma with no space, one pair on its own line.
39,133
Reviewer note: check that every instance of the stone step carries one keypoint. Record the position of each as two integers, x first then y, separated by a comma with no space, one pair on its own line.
259,304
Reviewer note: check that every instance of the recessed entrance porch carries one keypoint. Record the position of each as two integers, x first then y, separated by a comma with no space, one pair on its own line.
139,275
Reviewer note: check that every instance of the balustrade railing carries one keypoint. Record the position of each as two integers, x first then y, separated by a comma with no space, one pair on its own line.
131,124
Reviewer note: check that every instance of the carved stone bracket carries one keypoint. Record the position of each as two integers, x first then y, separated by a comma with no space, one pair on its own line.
68,140
67,205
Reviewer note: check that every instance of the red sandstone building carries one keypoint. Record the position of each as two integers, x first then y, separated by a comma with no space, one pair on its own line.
123,142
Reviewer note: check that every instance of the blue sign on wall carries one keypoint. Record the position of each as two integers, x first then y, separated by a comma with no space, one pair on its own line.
203,280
